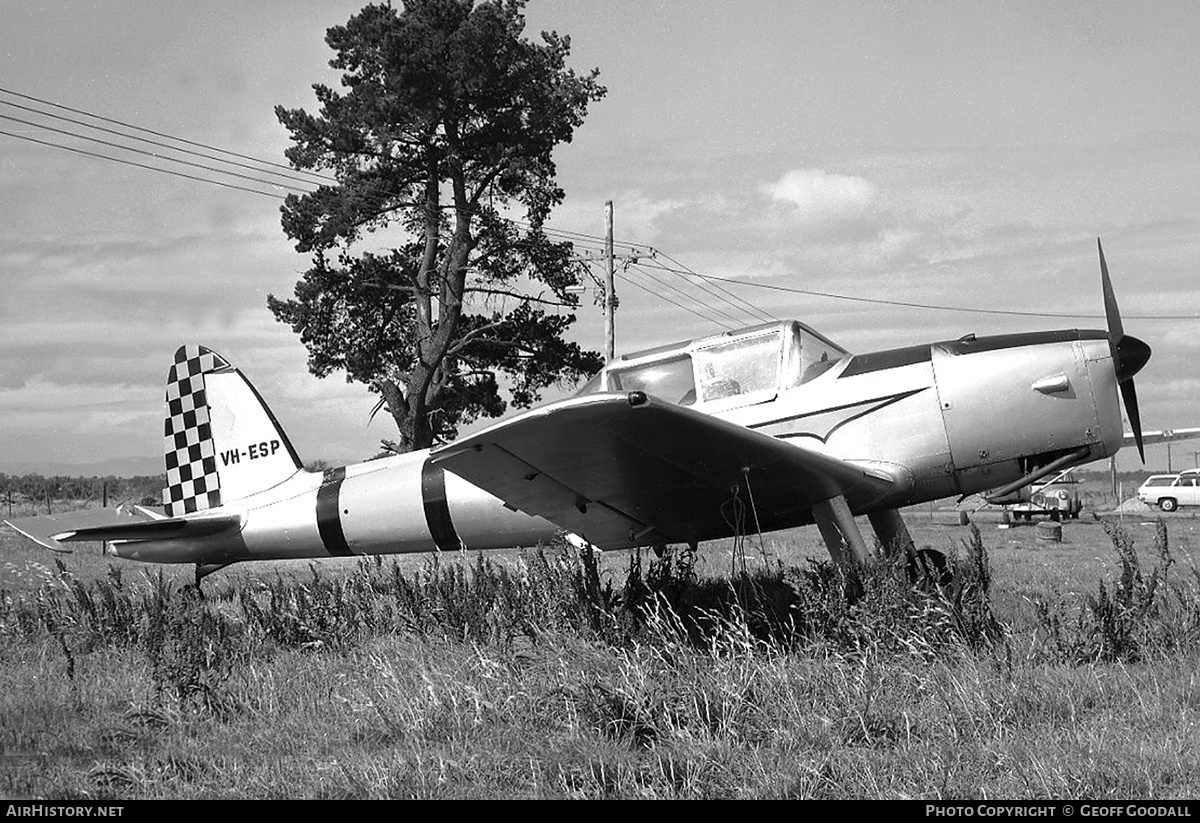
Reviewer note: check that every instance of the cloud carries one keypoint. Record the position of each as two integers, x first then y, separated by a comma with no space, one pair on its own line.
637,216
821,196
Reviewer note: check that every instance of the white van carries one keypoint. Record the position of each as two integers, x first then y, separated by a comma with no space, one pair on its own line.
1170,491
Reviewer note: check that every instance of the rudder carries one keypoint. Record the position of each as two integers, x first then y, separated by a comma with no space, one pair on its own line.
221,441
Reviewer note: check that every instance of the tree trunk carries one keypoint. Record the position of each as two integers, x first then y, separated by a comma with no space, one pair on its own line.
409,412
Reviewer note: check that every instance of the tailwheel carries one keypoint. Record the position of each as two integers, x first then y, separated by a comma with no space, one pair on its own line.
203,570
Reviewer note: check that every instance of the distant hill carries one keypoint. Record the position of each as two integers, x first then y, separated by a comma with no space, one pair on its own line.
115,467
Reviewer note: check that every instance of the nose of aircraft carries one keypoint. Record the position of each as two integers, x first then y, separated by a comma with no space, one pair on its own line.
1131,355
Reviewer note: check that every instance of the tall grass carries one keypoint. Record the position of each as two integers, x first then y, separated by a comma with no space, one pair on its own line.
1139,614
542,679
554,589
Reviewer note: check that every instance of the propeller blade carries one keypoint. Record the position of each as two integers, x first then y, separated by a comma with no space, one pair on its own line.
1129,395
1128,354
1111,312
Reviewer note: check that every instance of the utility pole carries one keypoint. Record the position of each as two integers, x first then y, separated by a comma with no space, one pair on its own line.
610,297
608,300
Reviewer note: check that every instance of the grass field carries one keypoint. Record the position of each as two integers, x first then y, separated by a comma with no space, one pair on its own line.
1058,670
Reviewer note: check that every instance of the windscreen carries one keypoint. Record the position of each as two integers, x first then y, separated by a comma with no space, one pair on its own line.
745,366
809,356
670,380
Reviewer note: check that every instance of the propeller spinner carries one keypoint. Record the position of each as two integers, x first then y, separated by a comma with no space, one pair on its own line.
1129,354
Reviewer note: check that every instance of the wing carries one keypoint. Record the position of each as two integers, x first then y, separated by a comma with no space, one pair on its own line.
1165,436
624,470
53,530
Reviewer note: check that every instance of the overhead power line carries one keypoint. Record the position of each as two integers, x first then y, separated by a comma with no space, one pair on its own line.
139,165
719,316
713,286
154,155
927,306
150,142
144,130
624,276
750,307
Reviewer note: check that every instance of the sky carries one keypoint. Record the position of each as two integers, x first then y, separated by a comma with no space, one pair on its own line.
960,155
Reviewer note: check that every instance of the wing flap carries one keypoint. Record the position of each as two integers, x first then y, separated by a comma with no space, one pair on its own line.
527,487
624,470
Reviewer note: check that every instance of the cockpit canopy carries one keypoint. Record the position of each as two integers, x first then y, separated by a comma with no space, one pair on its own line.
732,369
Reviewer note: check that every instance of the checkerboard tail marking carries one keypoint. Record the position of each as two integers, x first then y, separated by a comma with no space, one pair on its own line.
193,483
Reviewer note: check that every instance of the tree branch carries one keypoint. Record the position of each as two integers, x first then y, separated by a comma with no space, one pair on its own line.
470,336
519,296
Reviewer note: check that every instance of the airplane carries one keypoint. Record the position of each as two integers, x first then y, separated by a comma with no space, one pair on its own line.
765,428
1164,436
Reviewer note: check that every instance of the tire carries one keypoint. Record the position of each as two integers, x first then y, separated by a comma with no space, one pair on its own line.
1168,504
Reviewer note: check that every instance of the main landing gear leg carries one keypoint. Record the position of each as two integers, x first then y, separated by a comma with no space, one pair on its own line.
892,532
840,532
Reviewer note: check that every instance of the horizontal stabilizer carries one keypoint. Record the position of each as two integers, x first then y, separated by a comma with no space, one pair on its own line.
52,531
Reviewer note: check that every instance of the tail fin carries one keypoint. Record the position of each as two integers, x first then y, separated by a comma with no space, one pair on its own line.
222,442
